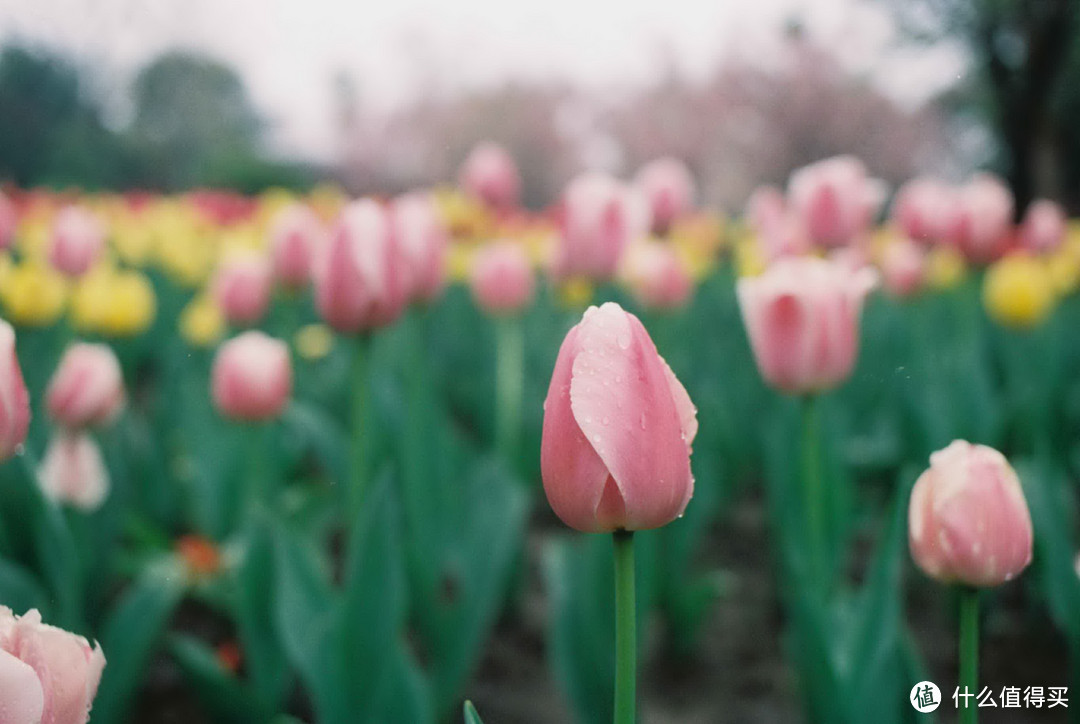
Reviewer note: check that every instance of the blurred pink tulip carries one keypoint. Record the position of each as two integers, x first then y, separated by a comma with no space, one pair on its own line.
802,318
903,267
360,279
295,237
783,236
618,425
9,222
502,278
668,189
968,521
87,387
657,276
14,400
78,238
980,220
73,470
764,208
490,174
241,287
835,199
423,238
66,672
1043,228
600,217
252,377
921,209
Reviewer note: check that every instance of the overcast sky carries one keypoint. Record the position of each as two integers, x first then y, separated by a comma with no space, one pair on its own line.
289,50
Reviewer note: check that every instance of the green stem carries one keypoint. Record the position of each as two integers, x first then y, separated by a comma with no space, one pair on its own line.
360,401
813,490
969,654
625,624
509,383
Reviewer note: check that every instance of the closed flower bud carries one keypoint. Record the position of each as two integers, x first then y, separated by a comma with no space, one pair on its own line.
252,377
617,430
903,267
73,470
835,199
668,189
657,276
765,207
968,521
423,239
490,174
78,238
1043,229
241,287
502,279
980,219
87,387
600,218
1018,291
921,209
295,237
14,400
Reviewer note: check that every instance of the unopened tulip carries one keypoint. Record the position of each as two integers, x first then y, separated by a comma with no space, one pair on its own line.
903,267
1043,228
802,318
968,521
78,238
87,387
765,207
921,209
490,174
784,236
65,668
502,279
668,189
9,221
657,276
73,470
295,237
600,217
980,220
360,279
252,377
835,199
423,239
618,425
241,287
1018,291
14,400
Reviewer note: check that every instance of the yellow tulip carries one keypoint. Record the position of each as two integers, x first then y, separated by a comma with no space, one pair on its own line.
749,258
1018,291
202,323
114,303
33,294
945,268
314,341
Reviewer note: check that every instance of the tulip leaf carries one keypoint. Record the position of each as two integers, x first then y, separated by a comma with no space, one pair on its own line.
20,590
217,689
471,716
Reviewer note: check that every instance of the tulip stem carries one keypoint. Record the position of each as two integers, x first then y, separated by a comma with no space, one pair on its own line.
969,655
509,383
625,624
813,489
360,446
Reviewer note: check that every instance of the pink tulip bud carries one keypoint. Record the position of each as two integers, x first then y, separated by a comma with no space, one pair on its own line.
502,279
360,279
921,209
423,239
490,174
73,470
252,377
9,222
47,675
617,431
668,189
903,267
764,208
835,199
241,287
802,318
1043,229
783,236
295,237
87,387
78,238
600,217
14,400
968,521
980,220
657,276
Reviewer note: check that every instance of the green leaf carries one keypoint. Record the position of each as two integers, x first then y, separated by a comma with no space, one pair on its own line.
20,590
471,717
223,695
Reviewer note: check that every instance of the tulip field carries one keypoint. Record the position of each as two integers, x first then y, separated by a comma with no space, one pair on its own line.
436,457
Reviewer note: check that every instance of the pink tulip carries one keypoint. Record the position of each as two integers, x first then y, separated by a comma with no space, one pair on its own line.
1043,228
657,276
295,237
73,470
241,287
980,221
668,189
490,174
9,222
617,431
968,521
502,278
764,208
360,279
78,238
903,267
600,217
252,377
14,400
802,318
921,209
784,236
87,387
47,675
423,238
835,199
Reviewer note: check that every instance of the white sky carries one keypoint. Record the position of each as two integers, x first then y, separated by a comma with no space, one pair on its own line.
288,50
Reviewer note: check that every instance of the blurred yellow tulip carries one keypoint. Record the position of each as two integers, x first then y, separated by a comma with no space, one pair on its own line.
314,341
114,303
1018,291
33,294
202,323
945,268
749,257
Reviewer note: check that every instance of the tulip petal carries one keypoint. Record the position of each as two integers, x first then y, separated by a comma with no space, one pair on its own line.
21,698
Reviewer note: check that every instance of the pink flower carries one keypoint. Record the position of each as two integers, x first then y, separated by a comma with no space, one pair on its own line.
600,217
360,279
784,236
87,387
968,521
903,267
835,198
73,470
252,377
78,238
241,287
423,239
490,174
668,189
502,279
295,237
921,209
1043,228
14,400
617,429
657,276
980,220
802,318
9,222
764,208
47,675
